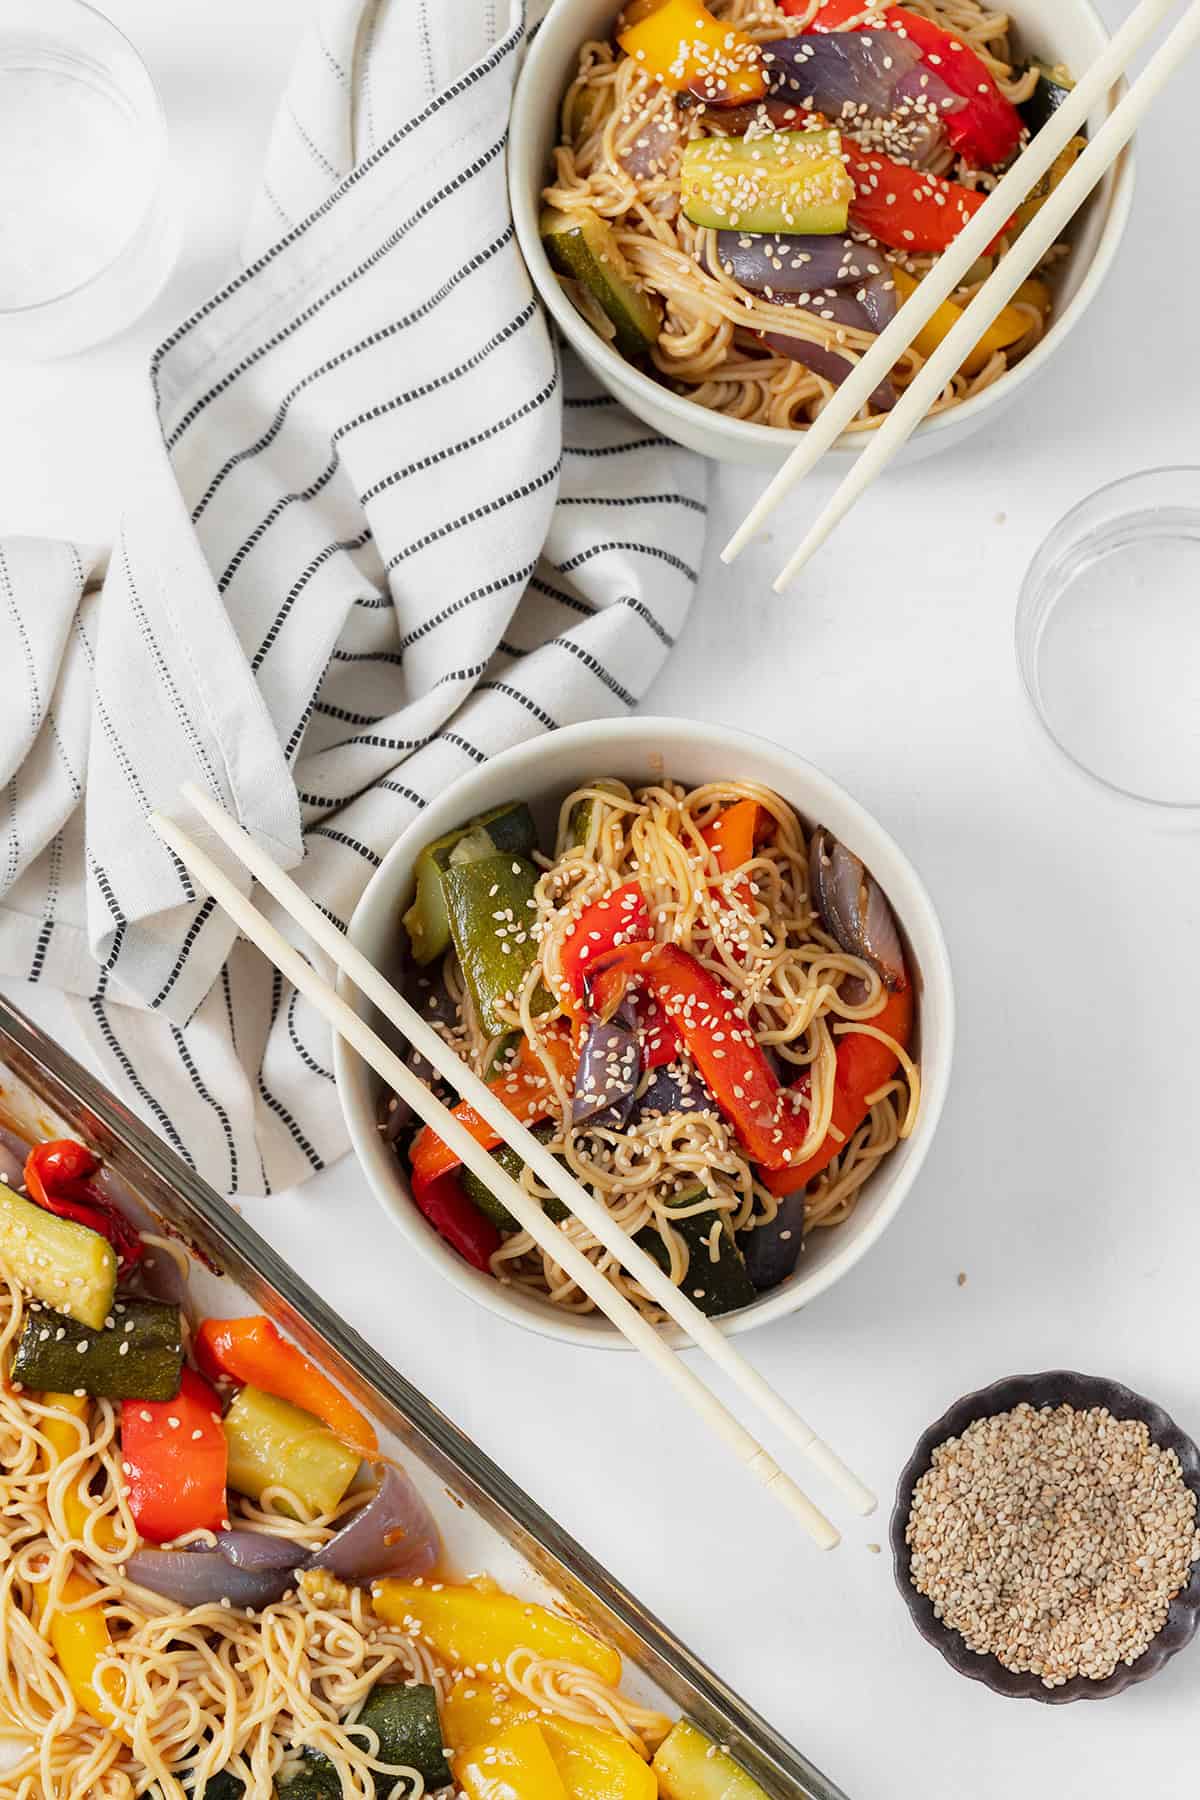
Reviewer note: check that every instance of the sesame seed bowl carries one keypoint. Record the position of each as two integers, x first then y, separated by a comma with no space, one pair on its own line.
1052,1389
641,750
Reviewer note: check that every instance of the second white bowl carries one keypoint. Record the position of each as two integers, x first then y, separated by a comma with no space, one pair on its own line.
1069,32
542,773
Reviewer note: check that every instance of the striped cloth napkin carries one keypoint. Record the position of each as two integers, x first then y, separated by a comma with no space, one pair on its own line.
391,533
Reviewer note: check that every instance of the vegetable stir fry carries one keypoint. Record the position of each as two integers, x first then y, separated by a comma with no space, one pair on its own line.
216,1584
743,192
705,1018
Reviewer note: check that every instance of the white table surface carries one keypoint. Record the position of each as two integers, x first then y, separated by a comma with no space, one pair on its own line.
1063,1178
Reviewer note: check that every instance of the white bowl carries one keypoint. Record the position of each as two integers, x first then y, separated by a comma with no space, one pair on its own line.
543,772
1069,31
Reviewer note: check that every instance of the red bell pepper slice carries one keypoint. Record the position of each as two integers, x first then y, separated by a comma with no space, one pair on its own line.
255,1353
905,208
453,1216
525,1090
720,1042
175,1460
863,1065
987,130
619,918
622,917
57,1178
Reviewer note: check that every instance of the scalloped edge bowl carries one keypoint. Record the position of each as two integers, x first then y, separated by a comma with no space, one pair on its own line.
1051,1388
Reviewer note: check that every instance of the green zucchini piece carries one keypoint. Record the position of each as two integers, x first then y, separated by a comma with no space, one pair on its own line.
59,1262
314,1779
138,1356
495,1209
792,182
505,828
222,1786
489,905
716,1287
405,1720
1053,86
581,246
581,816
690,1766
275,1444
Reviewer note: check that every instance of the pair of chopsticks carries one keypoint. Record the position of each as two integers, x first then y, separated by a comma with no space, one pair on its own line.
951,268
547,1235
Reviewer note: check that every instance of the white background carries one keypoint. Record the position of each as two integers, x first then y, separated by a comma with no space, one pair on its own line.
1063,1181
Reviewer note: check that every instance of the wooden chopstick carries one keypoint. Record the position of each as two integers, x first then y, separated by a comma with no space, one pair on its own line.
1001,285
950,268
347,957
391,1069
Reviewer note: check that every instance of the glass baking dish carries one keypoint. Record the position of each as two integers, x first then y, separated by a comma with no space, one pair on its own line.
488,1523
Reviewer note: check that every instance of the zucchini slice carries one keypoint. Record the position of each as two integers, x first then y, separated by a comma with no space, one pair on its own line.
790,182
505,828
59,1262
690,1766
405,1720
582,247
716,1287
1053,86
1042,190
495,1209
490,908
275,1444
137,1355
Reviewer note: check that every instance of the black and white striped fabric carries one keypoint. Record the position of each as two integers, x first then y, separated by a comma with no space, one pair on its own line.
390,535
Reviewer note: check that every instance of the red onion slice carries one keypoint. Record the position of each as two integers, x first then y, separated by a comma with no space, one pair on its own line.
854,908
13,1151
607,1077
851,75
394,1534
206,1577
827,363
675,1087
772,1251
787,267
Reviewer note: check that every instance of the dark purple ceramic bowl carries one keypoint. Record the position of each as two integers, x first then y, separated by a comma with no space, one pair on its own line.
1051,1389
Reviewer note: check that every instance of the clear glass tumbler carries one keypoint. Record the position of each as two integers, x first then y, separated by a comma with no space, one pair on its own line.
1108,637
87,233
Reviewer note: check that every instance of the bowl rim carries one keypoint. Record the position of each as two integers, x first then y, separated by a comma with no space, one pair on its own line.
529,101
533,760
1049,1388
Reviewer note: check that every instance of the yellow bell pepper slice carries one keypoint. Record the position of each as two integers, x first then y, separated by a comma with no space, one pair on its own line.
79,1640
597,1764
514,1765
1029,208
474,1711
481,1626
592,1763
1009,325
684,47
63,1439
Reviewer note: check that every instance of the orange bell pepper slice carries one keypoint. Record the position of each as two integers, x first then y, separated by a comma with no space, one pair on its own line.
863,1065
526,1092
255,1353
734,834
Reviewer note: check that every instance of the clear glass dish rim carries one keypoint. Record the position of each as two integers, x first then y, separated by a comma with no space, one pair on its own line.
155,126
1027,658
